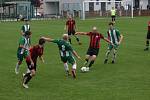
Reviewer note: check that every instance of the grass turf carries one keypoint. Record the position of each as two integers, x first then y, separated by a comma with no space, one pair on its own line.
128,79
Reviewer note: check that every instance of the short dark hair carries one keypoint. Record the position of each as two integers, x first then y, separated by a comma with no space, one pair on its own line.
27,33
111,23
41,41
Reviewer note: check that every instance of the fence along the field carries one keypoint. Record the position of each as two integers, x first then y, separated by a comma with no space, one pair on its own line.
98,9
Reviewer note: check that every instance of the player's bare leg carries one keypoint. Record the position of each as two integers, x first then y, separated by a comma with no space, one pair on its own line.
86,60
107,55
92,60
67,69
17,67
74,70
114,56
27,78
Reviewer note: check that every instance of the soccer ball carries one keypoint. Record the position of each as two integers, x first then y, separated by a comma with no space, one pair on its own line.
84,69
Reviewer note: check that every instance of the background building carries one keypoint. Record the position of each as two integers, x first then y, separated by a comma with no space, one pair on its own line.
55,8
63,7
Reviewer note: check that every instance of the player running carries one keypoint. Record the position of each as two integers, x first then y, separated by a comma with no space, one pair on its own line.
147,38
23,49
94,46
66,53
25,27
35,52
116,38
70,28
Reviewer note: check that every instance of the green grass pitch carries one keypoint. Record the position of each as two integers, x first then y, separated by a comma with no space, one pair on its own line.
128,79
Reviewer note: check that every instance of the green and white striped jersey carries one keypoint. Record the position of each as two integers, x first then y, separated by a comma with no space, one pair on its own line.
25,42
64,48
114,36
25,28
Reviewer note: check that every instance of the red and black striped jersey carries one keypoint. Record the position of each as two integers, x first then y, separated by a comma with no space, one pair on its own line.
95,39
71,25
35,52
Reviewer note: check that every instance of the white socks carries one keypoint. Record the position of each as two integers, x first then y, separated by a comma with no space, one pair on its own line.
66,67
17,68
74,66
17,65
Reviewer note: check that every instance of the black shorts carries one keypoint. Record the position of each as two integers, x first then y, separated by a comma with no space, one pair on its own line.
148,35
30,67
93,51
71,32
113,16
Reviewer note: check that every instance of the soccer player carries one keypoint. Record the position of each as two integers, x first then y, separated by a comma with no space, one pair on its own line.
113,14
35,52
66,53
25,27
116,38
147,38
70,28
94,46
23,49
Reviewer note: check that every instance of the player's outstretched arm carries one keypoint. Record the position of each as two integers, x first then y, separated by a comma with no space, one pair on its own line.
75,54
81,33
47,39
107,40
121,38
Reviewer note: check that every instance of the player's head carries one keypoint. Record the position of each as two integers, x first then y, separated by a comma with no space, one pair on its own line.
113,8
70,17
94,29
41,42
111,25
26,21
65,37
27,34
148,23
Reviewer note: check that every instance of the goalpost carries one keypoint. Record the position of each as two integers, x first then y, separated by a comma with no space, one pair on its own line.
101,9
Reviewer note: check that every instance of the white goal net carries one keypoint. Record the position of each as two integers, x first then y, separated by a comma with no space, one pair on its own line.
102,9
